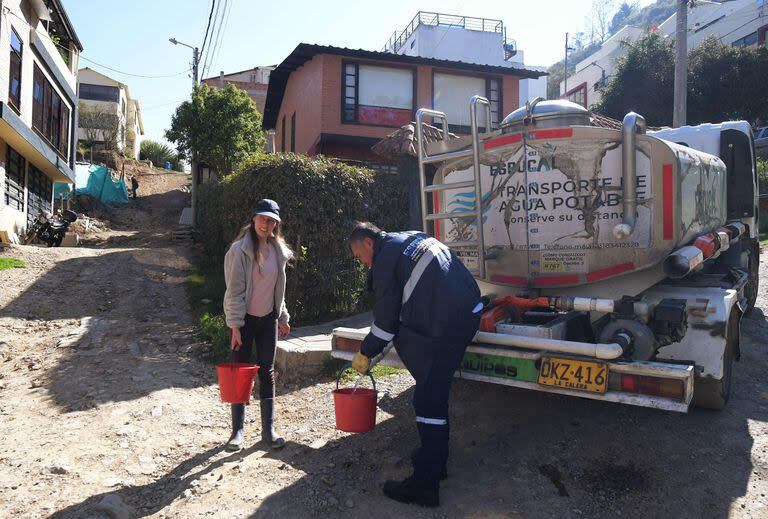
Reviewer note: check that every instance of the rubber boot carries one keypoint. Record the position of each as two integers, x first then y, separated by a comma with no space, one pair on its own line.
268,433
237,439
413,491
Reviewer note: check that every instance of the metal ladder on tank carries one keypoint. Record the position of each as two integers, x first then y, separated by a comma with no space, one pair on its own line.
474,151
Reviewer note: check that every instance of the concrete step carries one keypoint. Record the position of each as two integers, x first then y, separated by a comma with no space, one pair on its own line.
307,348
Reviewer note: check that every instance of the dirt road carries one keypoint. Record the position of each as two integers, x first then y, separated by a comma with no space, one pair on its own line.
106,412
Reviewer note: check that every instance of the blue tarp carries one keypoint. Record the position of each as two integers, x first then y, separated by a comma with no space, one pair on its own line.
99,184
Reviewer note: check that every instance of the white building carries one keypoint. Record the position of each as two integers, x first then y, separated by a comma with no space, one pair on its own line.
38,107
464,38
741,23
591,74
98,92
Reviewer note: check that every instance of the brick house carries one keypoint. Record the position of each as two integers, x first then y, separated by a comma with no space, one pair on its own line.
253,80
339,102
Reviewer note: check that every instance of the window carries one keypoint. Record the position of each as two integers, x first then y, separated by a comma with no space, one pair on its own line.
38,89
99,92
39,195
452,94
380,96
378,167
282,135
14,180
14,75
746,41
578,95
50,114
293,132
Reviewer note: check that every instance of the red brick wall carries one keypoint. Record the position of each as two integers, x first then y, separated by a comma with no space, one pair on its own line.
303,96
314,92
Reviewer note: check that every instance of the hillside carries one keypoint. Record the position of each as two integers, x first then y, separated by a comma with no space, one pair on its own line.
625,14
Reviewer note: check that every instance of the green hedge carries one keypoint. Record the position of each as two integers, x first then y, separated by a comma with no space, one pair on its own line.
319,200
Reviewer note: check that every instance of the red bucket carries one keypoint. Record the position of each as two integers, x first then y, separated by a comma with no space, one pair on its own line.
236,381
355,407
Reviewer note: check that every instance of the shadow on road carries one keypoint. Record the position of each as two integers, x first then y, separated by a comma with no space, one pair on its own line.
132,308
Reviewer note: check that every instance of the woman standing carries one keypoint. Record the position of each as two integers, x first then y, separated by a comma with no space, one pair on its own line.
254,306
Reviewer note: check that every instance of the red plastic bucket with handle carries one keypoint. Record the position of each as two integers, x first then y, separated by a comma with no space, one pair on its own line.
355,407
236,381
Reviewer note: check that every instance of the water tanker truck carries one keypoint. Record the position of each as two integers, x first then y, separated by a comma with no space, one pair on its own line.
615,263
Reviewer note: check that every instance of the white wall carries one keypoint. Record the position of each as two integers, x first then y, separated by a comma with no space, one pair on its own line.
590,70
27,26
91,77
457,44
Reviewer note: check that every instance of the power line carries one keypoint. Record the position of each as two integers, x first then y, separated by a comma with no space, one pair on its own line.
216,22
210,15
152,107
7,11
214,59
134,75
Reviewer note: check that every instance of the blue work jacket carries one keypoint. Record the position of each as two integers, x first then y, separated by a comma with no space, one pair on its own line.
424,298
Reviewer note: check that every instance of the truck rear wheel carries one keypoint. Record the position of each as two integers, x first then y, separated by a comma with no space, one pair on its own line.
711,393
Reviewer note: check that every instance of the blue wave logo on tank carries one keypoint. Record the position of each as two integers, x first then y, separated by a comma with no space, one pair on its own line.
465,201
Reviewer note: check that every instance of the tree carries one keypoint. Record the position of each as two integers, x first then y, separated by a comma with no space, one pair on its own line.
160,153
99,126
620,17
725,82
599,20
644,81
222,125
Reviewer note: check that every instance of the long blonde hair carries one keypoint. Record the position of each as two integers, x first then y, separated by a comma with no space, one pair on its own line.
277,236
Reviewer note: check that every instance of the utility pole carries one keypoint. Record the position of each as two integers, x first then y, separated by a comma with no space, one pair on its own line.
193,162
680,108
565,68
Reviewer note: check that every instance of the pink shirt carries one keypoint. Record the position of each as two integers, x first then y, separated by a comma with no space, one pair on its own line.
264,280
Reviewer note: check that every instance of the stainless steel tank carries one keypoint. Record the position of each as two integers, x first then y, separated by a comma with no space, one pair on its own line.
566,203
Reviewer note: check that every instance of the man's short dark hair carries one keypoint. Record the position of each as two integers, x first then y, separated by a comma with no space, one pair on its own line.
363,230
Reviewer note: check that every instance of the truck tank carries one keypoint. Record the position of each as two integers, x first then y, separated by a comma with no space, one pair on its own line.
566,203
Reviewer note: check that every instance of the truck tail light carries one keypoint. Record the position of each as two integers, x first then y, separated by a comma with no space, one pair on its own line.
344,344
664,387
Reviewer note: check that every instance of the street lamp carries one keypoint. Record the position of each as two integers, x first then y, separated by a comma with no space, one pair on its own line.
195,56
193,162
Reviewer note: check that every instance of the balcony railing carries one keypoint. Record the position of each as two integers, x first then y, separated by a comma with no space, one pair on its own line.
471,23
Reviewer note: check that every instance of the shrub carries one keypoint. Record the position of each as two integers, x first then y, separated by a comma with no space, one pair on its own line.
319,200
159,154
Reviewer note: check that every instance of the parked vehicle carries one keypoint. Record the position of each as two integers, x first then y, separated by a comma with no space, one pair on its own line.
615,264
50,230
761,142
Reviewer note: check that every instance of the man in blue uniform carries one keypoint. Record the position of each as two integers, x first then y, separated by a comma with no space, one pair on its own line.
428,304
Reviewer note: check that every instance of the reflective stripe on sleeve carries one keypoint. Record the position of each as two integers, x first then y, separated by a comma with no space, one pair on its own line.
432,421
434,249
381,334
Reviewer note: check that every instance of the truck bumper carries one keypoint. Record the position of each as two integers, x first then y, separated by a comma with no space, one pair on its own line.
519,368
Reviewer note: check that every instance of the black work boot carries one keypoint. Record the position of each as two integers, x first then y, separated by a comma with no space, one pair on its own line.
412,491
268,433
235,442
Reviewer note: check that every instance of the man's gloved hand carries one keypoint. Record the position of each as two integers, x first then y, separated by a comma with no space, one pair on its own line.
361,363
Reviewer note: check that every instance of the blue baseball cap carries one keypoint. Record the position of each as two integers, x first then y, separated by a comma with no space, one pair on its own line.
267,207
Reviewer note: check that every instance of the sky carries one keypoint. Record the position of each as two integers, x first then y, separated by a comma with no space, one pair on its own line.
131,37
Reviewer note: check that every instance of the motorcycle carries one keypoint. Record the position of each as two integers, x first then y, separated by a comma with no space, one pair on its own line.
51,230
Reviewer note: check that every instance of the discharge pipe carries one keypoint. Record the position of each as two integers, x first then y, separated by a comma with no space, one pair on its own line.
609,351
631,125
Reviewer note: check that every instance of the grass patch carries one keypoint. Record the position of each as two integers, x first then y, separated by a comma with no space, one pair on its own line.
205,289
11,263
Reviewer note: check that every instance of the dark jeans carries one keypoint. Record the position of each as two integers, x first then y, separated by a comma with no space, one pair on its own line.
261,332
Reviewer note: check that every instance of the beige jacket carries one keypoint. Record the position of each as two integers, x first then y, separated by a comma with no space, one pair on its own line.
238,264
